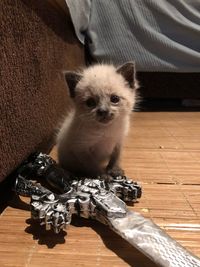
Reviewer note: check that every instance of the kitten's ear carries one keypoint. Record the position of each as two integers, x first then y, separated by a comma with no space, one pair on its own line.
127,70
72,78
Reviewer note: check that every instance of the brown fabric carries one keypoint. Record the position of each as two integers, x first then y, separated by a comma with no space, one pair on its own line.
37,43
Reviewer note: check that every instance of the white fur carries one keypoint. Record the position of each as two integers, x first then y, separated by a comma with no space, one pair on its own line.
83,142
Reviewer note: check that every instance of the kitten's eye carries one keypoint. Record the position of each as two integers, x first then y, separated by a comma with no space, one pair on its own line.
91,102
114,99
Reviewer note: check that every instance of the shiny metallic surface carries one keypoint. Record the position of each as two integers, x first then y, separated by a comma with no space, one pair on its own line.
103,201
125,188
50,211
152,241
28,188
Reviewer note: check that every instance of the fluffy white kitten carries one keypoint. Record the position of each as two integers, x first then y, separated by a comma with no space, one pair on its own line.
91,137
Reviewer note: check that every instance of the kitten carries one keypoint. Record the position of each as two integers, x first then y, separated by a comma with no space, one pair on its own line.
91,137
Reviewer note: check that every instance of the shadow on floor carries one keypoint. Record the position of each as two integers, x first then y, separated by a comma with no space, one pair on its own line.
44,237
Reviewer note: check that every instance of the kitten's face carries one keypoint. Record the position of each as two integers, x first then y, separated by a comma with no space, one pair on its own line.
102,95
102,108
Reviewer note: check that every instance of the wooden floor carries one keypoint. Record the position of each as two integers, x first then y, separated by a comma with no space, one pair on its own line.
163,154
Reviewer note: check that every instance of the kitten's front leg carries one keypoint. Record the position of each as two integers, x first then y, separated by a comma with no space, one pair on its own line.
113,169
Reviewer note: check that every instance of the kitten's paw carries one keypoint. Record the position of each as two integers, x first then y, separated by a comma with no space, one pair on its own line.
115,172
106,177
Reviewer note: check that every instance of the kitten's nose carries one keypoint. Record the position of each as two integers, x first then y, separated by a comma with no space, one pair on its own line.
102,112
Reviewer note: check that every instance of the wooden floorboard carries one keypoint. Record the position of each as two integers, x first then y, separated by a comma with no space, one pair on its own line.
162,153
